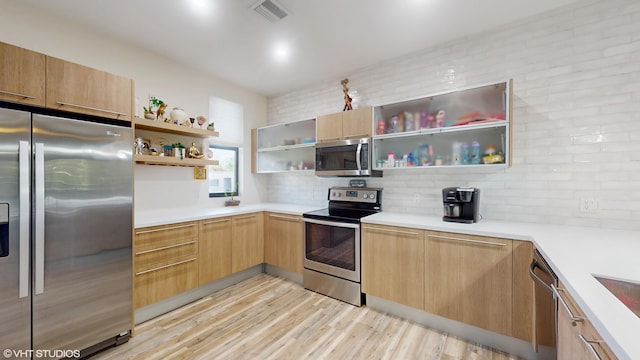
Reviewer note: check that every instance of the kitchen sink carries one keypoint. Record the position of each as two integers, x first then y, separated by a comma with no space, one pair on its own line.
627,291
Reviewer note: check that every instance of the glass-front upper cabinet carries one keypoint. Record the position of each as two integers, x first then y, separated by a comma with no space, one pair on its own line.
285,147
459,128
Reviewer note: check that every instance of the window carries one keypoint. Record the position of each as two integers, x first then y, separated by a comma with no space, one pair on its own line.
228,117
223,178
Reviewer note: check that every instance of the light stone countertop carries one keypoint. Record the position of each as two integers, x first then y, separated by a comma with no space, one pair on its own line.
574,254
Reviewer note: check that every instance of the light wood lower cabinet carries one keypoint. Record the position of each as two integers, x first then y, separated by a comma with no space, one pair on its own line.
469,279
523,291
577,338
165,262
283,244
247,247
214,258
23,75
393,264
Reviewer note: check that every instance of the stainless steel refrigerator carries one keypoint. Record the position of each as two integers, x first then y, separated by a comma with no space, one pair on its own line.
65,233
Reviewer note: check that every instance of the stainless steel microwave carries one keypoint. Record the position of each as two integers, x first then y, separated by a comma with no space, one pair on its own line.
345,158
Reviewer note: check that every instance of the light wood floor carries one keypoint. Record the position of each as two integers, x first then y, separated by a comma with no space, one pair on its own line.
267,317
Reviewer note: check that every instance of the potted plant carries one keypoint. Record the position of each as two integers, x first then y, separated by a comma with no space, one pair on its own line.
178,150
232,201
148,113
211,126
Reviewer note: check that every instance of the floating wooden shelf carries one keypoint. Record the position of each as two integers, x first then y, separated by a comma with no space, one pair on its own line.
172,161
160,126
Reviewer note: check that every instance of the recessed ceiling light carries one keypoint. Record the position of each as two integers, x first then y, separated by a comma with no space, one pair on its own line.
281,52
200,7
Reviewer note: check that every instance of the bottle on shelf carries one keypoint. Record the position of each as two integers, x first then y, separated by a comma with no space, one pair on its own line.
475,152
465,157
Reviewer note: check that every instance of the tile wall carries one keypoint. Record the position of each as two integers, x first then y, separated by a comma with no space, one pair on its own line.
576,118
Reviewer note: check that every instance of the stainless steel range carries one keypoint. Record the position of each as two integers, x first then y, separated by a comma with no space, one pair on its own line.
332,242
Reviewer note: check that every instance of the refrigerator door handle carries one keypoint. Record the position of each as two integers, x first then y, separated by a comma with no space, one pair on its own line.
39,218
23,277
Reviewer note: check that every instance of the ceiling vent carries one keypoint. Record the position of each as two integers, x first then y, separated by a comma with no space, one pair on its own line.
270,10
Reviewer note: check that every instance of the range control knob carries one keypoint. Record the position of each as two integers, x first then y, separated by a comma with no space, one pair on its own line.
372,196
365,196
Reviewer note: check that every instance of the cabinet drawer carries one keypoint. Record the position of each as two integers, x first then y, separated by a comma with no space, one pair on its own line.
156,237
160,257
165,282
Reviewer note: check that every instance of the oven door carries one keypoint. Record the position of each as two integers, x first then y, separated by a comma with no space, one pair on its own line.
333,248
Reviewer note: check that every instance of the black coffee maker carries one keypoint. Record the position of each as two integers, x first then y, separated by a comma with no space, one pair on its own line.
461,204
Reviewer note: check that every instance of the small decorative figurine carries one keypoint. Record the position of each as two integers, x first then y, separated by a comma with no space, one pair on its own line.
160,112
440,118
139,146
347,98
194,152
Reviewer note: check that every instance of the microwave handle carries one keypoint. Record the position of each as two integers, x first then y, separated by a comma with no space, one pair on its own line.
358,154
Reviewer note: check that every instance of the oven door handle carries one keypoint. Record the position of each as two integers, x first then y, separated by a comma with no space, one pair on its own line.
332,223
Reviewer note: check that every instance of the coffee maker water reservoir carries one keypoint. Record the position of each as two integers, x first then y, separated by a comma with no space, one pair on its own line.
461,204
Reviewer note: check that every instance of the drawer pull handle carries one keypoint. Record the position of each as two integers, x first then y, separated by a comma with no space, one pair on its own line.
164,228
574,319
165,266
90,108
244,217
296,219
590,345
165,247
467,240
215,221
391,230
17,94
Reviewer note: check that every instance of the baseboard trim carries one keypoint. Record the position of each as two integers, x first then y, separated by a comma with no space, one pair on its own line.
488,338
164,306
289,275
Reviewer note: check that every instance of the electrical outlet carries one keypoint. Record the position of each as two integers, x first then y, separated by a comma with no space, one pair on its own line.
589,205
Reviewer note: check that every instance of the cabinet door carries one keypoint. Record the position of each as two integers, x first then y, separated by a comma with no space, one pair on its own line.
469,279
81,89
214,257
23,78
247,247
577,338
283,242
523,287
393,264
357,123
329,127
165,262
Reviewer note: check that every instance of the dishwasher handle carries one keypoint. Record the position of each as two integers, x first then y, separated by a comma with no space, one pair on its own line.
535,264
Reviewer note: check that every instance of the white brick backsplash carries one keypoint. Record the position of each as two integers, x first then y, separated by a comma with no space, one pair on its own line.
576,118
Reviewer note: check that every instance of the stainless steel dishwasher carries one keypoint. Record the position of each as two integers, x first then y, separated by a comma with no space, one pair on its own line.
545,319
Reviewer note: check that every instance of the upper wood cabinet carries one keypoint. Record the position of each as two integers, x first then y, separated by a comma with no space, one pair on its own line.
470,279
393,264
214,249
283,244
352,124
22,75
77,88
247,247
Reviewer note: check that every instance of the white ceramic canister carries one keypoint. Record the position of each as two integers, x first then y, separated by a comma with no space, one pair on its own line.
178,116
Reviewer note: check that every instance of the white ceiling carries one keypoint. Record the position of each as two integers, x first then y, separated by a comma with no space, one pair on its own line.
327,38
